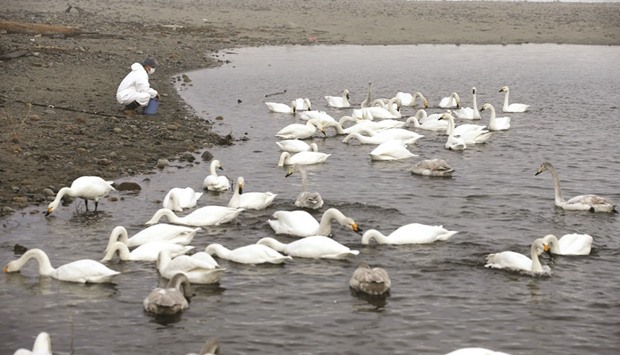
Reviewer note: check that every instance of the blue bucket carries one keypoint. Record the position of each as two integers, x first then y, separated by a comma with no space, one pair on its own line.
151,108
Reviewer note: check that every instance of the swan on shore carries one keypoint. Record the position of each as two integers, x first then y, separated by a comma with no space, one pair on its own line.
82,271
569,244
413,233
302,224
374,281
518,262
593,203
393,149
468,113
85,187
250,200
214,182
496,123
200,268
512,108
305,199
432,167
204,216
316,247
253,254
171,299
300,131
339,101
179,198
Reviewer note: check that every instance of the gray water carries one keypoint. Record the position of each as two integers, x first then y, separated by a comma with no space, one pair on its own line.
443,298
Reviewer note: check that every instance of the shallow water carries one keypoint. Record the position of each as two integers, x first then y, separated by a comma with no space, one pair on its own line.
443,298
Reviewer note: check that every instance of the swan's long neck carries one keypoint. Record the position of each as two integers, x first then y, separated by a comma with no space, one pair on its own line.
536,265
163,259
119,234
556,186
345,99
45,267
283,157
373,234
123,251
506,94
325,226
273,244
61,193
180,282
492,119
304,179
345,119
217,249
337,126
450,130
164,212
234,200
212,168
367,100
475,103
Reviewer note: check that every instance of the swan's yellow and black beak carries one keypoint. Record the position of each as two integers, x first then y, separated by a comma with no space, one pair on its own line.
547,249
5,269
425,103
288,173
49,211
538,171
356,228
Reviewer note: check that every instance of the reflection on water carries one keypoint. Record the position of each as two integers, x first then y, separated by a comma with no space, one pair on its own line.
442,297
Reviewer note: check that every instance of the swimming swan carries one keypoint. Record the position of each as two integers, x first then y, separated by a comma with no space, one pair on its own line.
204,216
593,203
413,233
393,149
373,281
42,346
200,268
373,137
302,158
316,247
305,199
282,108
496,123
512,107
569,244
468,113
427,124
432,167
407,99
85,187
171,299
178,198
250,254
302,104
145,252
82,271
214,182
296,146
519,262
339,101
475,351
454,142
159,232
389,110
302,224
450,101
468,132
320,116
250,200
300,131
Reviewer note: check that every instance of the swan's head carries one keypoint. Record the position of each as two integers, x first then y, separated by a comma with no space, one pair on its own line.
485,107
216,164
240,184
543,167
473,90
349,222
504,89
51,207
346,94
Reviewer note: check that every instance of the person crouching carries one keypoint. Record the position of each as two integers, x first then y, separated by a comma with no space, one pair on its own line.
135,91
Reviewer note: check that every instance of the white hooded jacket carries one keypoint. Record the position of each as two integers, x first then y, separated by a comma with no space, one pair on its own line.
135,87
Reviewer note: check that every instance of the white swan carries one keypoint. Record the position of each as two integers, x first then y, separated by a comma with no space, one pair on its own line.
413,233
393,149
361,124
470,133
389,110
339,101
249,254
432,167
145,252
373,281
453,142
302,104
296,146
496,123
281,108
305,199
42,346
468,113
475,351
407,99
250,200
316,246
569,244
300,131
427,124
85,187
171,299
320,116
178,198
204,216
210,347
200,268
593,203
181,235
519,262
302,224
368,99
214,182
82,271
302,158
373,137
451,101
512,107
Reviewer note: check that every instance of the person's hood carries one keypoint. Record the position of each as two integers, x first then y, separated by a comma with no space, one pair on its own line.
136,66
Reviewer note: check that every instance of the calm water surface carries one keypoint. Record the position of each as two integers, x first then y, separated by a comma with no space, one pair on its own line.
443,298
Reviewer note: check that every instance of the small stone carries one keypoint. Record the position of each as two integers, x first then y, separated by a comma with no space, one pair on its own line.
48,192
162,163
207,156
128,186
